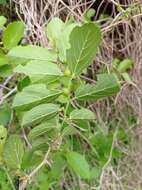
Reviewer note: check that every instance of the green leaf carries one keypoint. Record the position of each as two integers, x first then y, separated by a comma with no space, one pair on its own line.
58,33
58,166
13,152
102,143
34,95
3,20
13,34
63,42
4,181
82,114
5,114
22,83
69,130
79,164
40,143
31,159
54,30
6,70
125,65
33,52
84,41
39,113
3,136
3,60
42,129
3,2
127,77
107,85
39,68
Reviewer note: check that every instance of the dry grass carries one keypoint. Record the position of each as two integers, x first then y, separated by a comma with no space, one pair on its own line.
36,14
122,38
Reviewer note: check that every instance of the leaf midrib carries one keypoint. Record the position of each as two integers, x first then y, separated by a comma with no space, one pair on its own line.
94,90
40,117
82,50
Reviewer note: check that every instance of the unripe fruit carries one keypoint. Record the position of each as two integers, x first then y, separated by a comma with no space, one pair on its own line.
66,92
67,73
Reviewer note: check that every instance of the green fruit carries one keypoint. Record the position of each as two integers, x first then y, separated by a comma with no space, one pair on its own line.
66,92
67,73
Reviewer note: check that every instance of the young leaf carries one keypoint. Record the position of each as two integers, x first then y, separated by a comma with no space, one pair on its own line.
58,33
107,85
39,113
33,52
13,152
13,34
125,65
63,42
82,114
54,30
84,41
34,95
39,68
79,164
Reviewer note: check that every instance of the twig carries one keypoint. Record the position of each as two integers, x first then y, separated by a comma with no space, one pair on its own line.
7,95
24,183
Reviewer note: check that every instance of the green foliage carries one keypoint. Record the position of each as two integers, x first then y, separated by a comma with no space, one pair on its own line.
13,34
51,122
4,183
89,14
82,114
58,33
84,42
122,68
43,128
3,136
33,53
39,113
39,68
107,85
5,114
34,95
13,152
3,21
124,65
79,164
3,2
